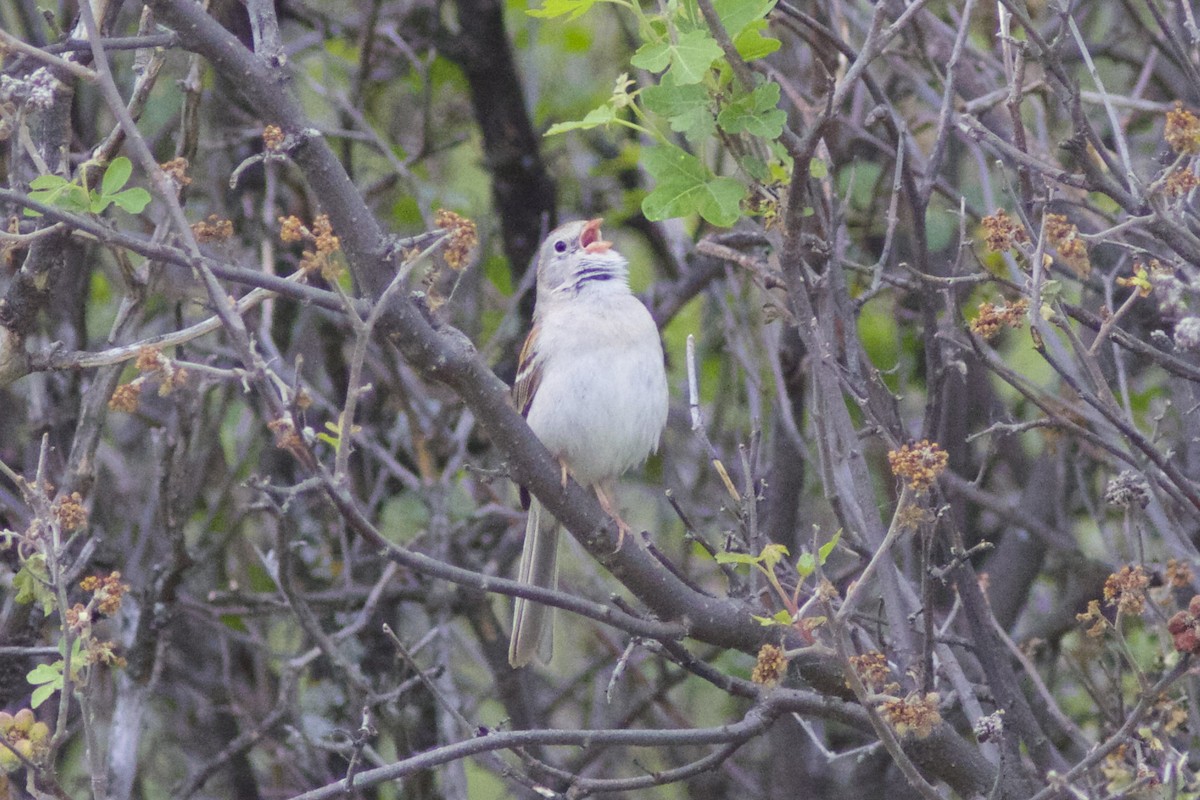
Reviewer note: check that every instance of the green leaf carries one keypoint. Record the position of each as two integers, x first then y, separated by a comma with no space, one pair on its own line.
45,182
686,186
133,201
30,583
772,554
116,176
783,617
98,202
755,168
689,56
806,564
687,108
63,194
556,8
41,695
737,14
46,673
593,119
755,113
824,550
48,678
752,45
736,558
817,168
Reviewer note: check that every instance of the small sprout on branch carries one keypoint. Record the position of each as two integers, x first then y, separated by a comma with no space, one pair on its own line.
1127,590
1182,131
919,463
915,715
771,666
1094,618
1140,280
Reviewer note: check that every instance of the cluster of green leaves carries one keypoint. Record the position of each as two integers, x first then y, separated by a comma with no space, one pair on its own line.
55,190
697,101
770,557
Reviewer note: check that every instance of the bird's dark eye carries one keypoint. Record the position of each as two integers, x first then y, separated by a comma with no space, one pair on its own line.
560,246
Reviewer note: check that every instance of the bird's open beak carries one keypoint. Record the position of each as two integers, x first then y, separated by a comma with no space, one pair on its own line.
589,238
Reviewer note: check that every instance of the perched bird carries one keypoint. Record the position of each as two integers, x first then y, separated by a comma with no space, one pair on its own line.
593,386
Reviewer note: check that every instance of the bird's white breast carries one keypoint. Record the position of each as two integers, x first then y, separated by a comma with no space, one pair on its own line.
602,400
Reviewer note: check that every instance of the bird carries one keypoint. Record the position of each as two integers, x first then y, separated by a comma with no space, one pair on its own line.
592,384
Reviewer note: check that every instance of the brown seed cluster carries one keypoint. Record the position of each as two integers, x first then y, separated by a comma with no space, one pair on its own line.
321,253
770,667
992,317
1001,232
464,236
286,437
1179,574
1185,627
107,591
176,170
919,463
1062,234
212,229
916,715
125,397
1182,131
292,229
1179,182
1127,590
273,138
70,513
873,671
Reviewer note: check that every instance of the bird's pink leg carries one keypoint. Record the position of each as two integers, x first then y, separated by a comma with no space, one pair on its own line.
609,504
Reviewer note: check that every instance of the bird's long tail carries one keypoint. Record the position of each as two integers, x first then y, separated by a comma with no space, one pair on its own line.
533,623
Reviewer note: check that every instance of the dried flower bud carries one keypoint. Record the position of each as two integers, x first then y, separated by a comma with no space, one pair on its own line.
1127,490
1001,232
125,397
1182,131
915,715
273,137
463,237
919,463
770,667
1127,590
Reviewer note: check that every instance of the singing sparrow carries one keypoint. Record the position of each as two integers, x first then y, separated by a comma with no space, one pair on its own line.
593,387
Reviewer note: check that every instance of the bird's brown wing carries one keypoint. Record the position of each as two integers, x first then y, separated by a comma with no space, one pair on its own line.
529,373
